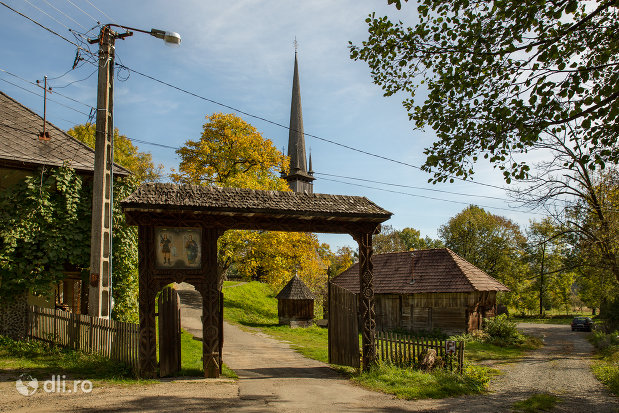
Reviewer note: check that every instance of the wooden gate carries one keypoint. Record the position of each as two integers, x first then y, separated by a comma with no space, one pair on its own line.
169,332
343,327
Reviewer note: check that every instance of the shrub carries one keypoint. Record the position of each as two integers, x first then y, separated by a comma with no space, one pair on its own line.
502,331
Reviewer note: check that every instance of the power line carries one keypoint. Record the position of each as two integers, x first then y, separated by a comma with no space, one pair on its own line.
51,100
66,15
265,119
76,81
288,128
49,15
411,187
54,91
432,198
42,26
100,11
77,7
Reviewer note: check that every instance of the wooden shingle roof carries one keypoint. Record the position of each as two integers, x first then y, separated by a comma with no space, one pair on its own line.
295,290
20,146
157,196
422,271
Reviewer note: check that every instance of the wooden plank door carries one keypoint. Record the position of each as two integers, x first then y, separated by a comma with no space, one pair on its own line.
169,332
343,327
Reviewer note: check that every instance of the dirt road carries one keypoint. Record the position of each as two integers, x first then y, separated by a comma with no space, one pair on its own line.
272,377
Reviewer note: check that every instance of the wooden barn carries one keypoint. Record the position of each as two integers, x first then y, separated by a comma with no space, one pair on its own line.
295,304
427,289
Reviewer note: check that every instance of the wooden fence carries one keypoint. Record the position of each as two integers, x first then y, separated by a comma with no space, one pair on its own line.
402,350
113,339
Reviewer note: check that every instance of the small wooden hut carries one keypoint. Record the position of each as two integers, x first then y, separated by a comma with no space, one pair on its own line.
426,289
295,304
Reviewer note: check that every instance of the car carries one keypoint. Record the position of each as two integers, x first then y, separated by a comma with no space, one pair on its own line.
582,323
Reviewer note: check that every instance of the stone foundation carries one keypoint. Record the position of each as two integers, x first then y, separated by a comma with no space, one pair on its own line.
14,317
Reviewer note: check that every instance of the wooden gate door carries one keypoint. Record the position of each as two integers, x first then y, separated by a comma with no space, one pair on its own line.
169,332
343,327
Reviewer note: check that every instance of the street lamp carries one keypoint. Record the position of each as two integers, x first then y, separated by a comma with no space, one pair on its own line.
100,280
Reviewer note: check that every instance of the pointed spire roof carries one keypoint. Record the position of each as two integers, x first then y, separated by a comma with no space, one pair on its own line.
296,140
295,290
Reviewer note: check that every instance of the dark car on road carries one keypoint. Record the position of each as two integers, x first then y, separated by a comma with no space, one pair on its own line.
582,323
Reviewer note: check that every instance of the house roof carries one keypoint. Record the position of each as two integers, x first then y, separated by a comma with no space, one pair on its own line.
295,290
156,196
422,271
20,146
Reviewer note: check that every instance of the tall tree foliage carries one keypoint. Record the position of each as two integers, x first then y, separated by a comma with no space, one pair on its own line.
125,153
506,78
490,242
407,239
232,153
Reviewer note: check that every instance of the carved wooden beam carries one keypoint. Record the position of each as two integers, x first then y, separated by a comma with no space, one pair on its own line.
366,299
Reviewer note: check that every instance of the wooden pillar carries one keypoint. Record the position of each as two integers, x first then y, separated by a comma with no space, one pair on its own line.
210,304
366,299
147,353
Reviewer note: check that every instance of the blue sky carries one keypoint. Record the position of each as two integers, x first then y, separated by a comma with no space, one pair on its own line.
241,54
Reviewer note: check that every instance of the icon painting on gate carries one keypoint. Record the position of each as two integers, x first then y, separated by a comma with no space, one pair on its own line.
178,247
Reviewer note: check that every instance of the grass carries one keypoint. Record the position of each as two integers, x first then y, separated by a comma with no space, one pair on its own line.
414,384
536,403
254,305
42,360
479,350
606,367
191,358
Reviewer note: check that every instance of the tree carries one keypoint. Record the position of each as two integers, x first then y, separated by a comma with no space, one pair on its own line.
490,242
392,240
549,269
232,153
505,79
501,76
339,261
125,153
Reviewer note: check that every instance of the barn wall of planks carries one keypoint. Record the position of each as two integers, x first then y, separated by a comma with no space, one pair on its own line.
112,339
450,312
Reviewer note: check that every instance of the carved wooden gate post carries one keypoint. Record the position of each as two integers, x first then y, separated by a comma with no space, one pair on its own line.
147,353
210,304
366,299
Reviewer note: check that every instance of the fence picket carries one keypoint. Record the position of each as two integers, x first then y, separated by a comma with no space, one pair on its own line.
112,339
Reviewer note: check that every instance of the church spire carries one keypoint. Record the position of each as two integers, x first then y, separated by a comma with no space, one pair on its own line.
298,178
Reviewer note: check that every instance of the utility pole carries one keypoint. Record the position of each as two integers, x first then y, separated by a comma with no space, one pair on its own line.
99,290
100,281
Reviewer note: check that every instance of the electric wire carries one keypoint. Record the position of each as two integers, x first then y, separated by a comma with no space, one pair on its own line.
100,11
432,198
77,7
263,118
53,91
66,15
43,27
76,81
411,186
40,95
49,15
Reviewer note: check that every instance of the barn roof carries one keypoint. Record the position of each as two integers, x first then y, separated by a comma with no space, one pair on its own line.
422,271
20,146
295,290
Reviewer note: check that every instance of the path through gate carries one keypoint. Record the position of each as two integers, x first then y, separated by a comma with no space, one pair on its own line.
343,327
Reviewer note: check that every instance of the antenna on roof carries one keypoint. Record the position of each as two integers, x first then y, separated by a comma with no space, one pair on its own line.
44,136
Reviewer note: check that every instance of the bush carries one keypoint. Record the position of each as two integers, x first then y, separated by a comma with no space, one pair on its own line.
502,331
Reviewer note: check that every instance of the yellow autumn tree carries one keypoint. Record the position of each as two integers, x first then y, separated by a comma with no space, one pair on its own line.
232,153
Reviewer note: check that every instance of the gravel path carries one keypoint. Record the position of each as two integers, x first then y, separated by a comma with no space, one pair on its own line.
272,377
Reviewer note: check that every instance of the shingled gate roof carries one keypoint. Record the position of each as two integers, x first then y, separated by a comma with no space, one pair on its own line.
249,201
422,271
295,290
20,146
